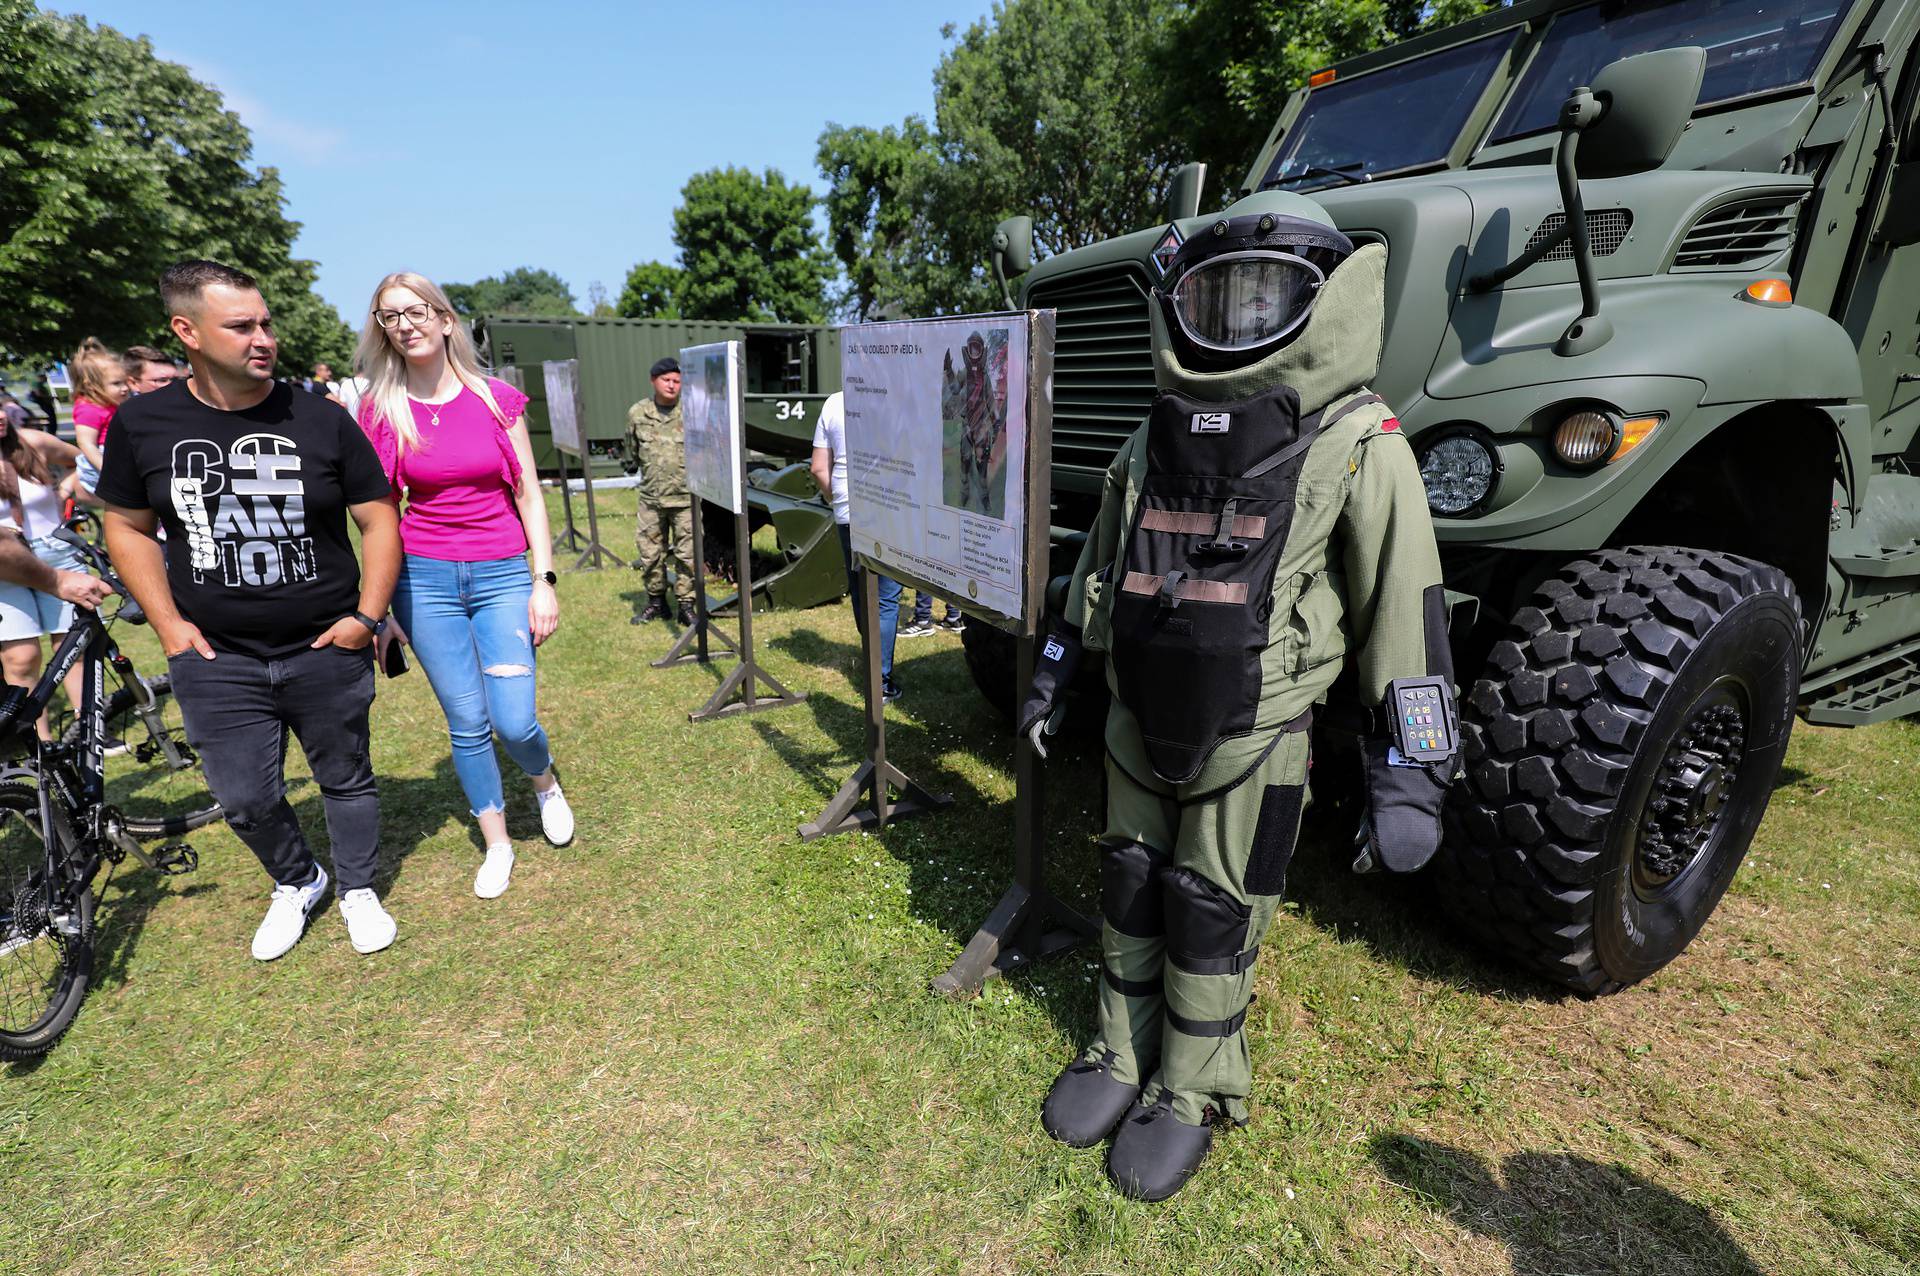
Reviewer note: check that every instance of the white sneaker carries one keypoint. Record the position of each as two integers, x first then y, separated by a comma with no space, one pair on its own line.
491,881
286,918
369,926
556,817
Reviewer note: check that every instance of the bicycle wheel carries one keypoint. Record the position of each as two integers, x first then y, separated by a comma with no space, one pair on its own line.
156,784
46,943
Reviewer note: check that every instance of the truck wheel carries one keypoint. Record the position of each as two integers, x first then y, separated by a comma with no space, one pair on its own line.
1620,748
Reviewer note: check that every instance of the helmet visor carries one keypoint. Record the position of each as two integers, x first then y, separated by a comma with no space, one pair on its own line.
1242,300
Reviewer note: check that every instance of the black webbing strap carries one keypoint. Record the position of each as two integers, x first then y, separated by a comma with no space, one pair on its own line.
1232,965
1130,987
1207,1027
1308,433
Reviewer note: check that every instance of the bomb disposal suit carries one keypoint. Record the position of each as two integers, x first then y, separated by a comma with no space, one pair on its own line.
1267,521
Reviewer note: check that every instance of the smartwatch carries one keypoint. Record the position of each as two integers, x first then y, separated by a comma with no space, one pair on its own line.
373,626
547,576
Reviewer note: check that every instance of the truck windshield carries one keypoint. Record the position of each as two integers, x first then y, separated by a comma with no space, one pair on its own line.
1399,117
1752,46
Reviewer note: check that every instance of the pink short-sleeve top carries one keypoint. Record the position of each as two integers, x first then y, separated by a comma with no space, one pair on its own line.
99,416
459,484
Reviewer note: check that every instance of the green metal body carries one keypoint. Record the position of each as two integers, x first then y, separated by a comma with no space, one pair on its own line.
791,370
1789,430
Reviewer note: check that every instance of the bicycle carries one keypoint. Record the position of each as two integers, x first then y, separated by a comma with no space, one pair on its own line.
58,826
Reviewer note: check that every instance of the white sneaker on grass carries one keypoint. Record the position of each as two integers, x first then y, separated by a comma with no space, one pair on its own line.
556,817
491,881
369,926
287,914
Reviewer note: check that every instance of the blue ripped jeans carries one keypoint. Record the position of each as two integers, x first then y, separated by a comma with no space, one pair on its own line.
467,623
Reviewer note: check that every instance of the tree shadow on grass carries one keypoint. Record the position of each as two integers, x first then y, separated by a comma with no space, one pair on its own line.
1564,1215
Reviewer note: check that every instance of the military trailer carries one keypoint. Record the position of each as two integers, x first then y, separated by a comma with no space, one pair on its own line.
1657,346
791,370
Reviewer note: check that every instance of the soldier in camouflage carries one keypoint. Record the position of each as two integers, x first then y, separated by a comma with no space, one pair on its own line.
655,438
1265,528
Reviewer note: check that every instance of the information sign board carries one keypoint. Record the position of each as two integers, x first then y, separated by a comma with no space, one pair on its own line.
712,408
939,415
563,403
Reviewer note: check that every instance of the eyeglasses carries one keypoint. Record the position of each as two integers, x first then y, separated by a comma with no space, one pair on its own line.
417,315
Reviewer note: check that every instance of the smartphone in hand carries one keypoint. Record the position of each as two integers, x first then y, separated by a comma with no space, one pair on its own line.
395,661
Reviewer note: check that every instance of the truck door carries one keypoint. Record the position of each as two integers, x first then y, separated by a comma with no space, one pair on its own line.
1883,306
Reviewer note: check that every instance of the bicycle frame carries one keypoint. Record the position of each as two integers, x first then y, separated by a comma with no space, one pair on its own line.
72,778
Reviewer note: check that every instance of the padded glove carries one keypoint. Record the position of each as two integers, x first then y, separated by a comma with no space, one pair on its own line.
1053,667
1401,829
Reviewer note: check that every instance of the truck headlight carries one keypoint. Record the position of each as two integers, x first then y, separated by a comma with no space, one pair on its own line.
1460,469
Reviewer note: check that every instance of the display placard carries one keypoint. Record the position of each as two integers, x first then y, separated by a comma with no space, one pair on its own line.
939,417
563,403
712,410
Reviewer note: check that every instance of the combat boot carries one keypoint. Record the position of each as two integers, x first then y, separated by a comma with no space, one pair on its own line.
1086,1102
655,609
686,614
1154,1152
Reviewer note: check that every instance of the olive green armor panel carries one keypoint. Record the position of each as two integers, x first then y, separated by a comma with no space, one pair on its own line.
1359,559
656,438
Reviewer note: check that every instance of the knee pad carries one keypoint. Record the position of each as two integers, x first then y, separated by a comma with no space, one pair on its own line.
1130,888
1205,925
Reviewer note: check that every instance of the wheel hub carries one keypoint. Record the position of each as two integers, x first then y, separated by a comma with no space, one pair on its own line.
1696,778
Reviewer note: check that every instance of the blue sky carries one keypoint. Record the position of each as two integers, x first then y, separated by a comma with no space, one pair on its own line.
461,140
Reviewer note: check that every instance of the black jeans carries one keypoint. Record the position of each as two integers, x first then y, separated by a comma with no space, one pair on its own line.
238,710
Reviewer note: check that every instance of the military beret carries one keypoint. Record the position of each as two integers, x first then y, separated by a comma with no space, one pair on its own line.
661,367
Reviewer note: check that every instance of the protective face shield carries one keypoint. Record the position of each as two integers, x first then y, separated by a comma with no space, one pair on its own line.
1244,287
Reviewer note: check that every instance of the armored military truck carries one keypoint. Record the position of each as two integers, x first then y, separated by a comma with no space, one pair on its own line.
1654,332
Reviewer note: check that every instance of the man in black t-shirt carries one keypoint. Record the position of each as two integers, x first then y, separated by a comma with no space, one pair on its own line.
266,619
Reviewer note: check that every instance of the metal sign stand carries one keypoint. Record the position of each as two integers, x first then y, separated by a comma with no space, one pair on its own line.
565,411
876,778
1030,922
570,539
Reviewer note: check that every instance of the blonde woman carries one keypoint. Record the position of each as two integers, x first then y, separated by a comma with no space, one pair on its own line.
453,441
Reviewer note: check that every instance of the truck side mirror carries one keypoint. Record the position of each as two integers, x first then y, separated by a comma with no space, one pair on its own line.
1183,195
1012,252
1645,102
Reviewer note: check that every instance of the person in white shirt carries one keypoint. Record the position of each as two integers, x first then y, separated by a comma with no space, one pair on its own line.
30,501
830,473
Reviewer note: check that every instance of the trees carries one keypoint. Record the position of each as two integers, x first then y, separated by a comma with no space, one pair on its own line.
748,249
652,291
114,164
1076,112
524,290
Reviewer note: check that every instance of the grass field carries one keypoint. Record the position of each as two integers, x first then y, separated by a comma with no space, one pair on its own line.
691,1043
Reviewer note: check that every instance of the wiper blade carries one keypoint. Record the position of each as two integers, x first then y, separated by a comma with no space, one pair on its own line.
1345,174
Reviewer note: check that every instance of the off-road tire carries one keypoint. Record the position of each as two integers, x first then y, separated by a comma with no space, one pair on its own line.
1620,747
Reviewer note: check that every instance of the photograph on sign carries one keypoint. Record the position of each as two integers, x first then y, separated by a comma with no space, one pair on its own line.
563,403
711,378
936,421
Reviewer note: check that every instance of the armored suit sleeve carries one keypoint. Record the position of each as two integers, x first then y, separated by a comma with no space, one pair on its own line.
1059,654
1396,609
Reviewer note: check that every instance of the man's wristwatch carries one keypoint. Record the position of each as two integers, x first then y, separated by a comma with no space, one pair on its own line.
373,626
547,576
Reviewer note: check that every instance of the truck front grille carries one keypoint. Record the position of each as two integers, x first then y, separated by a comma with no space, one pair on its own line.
1102,363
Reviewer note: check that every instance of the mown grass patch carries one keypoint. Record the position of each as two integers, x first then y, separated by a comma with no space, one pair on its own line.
690,1042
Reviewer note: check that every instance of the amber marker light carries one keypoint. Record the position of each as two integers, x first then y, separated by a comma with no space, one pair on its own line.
1634,431
1777,291
1318,78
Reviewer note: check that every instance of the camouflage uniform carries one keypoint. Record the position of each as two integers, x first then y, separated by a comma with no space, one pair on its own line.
665,523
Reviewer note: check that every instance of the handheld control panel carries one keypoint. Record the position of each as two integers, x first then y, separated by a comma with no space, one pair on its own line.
1425,727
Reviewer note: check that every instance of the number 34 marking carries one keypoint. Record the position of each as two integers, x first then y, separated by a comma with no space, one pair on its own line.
791,410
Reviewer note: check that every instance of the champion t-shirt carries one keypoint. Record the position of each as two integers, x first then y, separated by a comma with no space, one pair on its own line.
255,507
